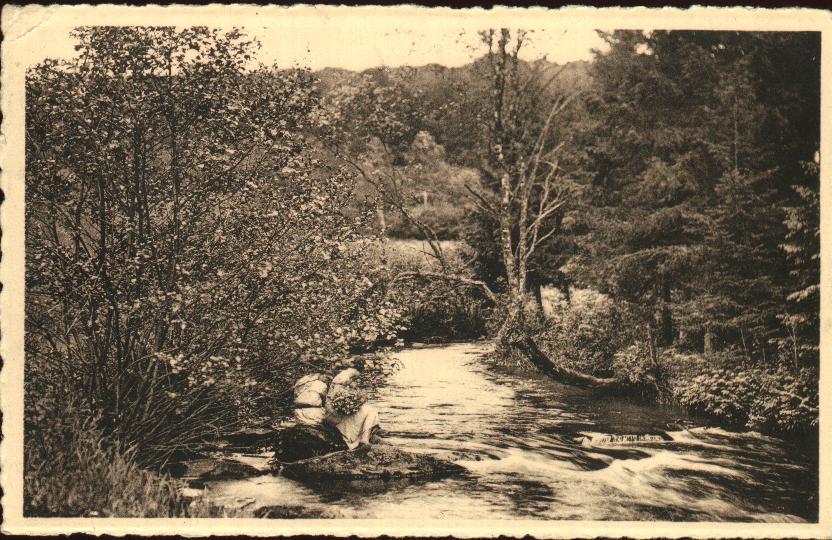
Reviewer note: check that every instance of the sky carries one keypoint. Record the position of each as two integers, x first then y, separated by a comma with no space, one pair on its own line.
415,47
348,41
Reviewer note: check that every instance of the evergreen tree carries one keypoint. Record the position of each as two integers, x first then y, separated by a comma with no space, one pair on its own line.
693,151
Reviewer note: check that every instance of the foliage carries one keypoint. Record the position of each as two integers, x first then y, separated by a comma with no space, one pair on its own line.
71,471
445,218
521,142
586,335
693,146
441,312
436,310
646,374
188,252
802,248
776,400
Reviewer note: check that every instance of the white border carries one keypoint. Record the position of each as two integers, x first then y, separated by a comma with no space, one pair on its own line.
25,28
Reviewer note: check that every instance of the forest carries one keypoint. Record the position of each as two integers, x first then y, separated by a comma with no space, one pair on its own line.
202,230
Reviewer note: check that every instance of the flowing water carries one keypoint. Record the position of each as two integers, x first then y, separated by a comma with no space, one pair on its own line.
535,448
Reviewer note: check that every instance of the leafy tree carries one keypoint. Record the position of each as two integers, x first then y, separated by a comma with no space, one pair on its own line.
372,125
188,249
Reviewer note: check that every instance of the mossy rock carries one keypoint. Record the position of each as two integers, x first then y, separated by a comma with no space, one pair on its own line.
292,512
199,471
378,461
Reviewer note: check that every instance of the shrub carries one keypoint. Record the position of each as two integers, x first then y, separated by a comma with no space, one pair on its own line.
773,400
646,375
439,311
446,220
433,309
586,334
787,401
188,254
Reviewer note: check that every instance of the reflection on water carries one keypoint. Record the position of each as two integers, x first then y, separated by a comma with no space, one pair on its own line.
539,449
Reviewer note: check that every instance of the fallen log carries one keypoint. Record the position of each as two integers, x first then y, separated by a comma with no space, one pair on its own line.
527,346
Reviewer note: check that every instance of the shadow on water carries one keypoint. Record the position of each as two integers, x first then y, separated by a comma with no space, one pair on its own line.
535,448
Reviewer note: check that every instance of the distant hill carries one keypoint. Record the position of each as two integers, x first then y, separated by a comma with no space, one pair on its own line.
573,75
444,202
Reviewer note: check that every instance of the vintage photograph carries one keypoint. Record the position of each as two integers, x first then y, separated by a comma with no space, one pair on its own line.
340,270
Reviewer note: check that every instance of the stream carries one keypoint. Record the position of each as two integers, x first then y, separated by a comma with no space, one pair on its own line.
535,448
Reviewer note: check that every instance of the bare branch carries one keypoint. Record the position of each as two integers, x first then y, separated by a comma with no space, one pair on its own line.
483,203
539,242
453,278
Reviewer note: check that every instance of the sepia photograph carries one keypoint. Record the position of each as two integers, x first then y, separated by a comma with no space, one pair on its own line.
307,266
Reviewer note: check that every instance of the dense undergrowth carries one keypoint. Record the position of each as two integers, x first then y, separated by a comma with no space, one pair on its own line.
76,465
435,310
597,336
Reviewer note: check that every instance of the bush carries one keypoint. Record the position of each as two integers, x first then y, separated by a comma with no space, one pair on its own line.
586,334
446,220
441,312
433,309
771,400
645,375
183,298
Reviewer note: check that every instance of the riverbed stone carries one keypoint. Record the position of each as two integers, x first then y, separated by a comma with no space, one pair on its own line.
293,512
199,471
250,439
299,442
379,461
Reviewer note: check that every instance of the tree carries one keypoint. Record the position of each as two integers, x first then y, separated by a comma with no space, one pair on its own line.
693,145
189,254
802,247
373,125
521,160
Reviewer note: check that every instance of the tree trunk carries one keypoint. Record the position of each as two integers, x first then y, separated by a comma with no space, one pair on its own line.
382,222
665,318
513,320
529,348
710,342
538,297
744,345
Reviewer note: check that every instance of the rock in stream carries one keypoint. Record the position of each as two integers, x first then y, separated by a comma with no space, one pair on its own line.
374,462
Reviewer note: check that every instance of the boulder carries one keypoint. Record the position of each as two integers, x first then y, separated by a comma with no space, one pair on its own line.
367,462
292,512
199,471
303,442
250,439
345,376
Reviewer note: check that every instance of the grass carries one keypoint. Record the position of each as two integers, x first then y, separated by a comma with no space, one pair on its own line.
72,471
